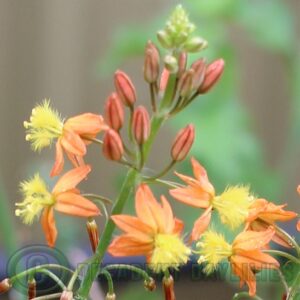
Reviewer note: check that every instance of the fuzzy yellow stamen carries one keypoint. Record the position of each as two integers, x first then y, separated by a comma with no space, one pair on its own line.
44,126
213,249
233,205
169,252
36,197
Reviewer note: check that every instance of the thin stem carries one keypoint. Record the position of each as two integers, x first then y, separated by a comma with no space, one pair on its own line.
139,271
76,274
142,161
283,254
110,283
282,279
94,140
46,297
152,95
164,171
126,163
99,198
242,295
130,124
163,182
294,290
54,277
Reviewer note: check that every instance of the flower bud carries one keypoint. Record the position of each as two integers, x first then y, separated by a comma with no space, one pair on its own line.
5,285
112,145
151,63
125,88
114,112
164,39
171,63
31,289
168,285
182,60
92,230
141,125
164,79
150,284
110,296
199,66
66,295
183,143
185,85
212,75
195,44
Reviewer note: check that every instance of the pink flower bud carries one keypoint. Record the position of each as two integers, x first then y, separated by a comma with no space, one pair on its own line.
125,88
141,125
92,230
182,60
114,112
182,143
31,289
199,66
66,295
5,285
212,75
185,85
168,285
112,145
164,79
151,63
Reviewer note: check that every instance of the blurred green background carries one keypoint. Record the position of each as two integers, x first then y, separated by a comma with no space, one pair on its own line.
247,128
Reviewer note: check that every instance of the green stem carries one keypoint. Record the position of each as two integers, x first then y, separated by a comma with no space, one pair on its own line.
282,279
98,198
167,183
46,297
54,277
152,96
242,295
283,254
109,281
294,290
164,171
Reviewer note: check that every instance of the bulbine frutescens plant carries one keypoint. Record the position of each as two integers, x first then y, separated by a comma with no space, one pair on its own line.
154,232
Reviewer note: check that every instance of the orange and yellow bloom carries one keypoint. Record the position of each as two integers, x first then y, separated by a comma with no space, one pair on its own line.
244,254
64,197
232,205
72,135
262,214
155,233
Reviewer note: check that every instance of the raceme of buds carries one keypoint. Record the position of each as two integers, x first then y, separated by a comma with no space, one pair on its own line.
195,44
171,63
182,60
66,295
92,230
140,125
185,85
110,296
212,75
125,88
114,112
183,143
112,145
150,284
168,285
151,63
5,285
31,289
199,66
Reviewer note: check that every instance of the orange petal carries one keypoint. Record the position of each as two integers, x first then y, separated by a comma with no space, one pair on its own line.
201,224
298,225
276,213
70,179
72,143
59,160
86,124
169,218
251,240
298,189
258,206
127,245
191,196
75,205
133,225
48,224
178,227
77,161
257,260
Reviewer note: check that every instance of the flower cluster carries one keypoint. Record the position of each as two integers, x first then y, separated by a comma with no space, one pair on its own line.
154,232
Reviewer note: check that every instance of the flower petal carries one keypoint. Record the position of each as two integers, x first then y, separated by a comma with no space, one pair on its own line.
48,224
72,143
70,179
75,205
169,218
201,224
127,245
59,160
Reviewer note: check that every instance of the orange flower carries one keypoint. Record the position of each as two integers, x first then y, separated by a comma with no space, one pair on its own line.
298,223
64,197
232,205
262,214
244,254
72,135
154,233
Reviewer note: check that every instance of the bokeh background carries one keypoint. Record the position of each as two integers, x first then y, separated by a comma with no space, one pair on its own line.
248,128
